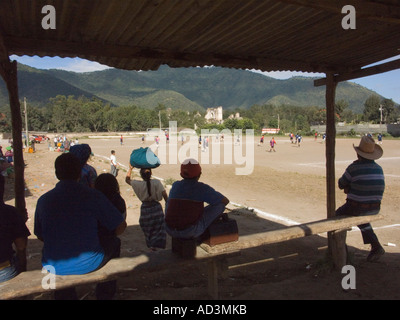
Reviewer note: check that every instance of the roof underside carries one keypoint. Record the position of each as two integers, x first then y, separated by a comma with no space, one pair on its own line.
270,35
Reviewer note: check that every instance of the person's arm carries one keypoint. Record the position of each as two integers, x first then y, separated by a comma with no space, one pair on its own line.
165,196
121,228
225,201
20,246
128,175
345,181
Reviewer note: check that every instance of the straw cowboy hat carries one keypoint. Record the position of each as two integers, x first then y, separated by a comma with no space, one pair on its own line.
368,149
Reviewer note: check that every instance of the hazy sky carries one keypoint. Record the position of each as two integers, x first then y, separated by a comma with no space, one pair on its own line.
386,84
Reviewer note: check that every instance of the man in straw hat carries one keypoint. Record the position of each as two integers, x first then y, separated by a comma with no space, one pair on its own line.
186,217
364,183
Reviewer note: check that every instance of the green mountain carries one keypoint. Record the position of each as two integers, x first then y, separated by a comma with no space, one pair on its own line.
180,88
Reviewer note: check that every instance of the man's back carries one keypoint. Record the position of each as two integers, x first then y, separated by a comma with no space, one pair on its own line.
66,219
365,180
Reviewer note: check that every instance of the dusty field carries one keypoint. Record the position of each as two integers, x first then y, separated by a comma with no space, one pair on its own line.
286,186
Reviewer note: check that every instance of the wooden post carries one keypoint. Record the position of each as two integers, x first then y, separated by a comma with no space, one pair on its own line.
336,245
212,267
8,71
330,145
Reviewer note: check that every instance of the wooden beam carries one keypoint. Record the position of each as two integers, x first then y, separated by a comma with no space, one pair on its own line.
330,145
381,68
8,71
335,245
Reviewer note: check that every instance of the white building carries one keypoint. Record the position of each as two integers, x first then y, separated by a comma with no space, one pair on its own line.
214,115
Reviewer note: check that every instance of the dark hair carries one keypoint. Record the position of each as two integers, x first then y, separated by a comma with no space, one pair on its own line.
82,152
68,167
146,176
107,184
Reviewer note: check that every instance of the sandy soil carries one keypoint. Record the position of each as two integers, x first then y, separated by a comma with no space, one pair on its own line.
286,186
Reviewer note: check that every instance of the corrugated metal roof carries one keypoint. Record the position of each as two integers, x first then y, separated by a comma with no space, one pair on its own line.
297,35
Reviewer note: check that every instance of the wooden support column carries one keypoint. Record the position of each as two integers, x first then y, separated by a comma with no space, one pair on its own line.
8,71
336,241
330,145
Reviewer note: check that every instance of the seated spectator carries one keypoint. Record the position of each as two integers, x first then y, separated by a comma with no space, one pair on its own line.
66,220
186,217
12,231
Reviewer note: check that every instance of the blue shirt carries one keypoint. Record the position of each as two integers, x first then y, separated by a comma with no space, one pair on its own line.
67,219
192,189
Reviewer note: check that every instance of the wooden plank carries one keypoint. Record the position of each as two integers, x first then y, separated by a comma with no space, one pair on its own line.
288,233
30,282
381,68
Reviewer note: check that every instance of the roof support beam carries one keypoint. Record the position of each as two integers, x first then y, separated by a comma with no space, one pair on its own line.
336,245
8,71
330,144
381,68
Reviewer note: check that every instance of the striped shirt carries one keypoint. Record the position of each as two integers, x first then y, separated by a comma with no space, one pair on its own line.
365,181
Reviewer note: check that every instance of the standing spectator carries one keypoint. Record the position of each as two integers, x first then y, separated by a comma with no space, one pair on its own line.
380,137
150,192
12,231
9,155
113,160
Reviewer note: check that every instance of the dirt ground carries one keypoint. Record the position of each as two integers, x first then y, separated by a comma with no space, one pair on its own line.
285,187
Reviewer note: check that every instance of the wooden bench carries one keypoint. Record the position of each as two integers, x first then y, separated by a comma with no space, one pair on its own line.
30,282
336,226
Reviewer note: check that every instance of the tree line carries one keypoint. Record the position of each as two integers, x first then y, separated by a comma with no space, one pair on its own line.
70,114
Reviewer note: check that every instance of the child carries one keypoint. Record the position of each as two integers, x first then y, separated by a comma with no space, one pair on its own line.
150,192
108,185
